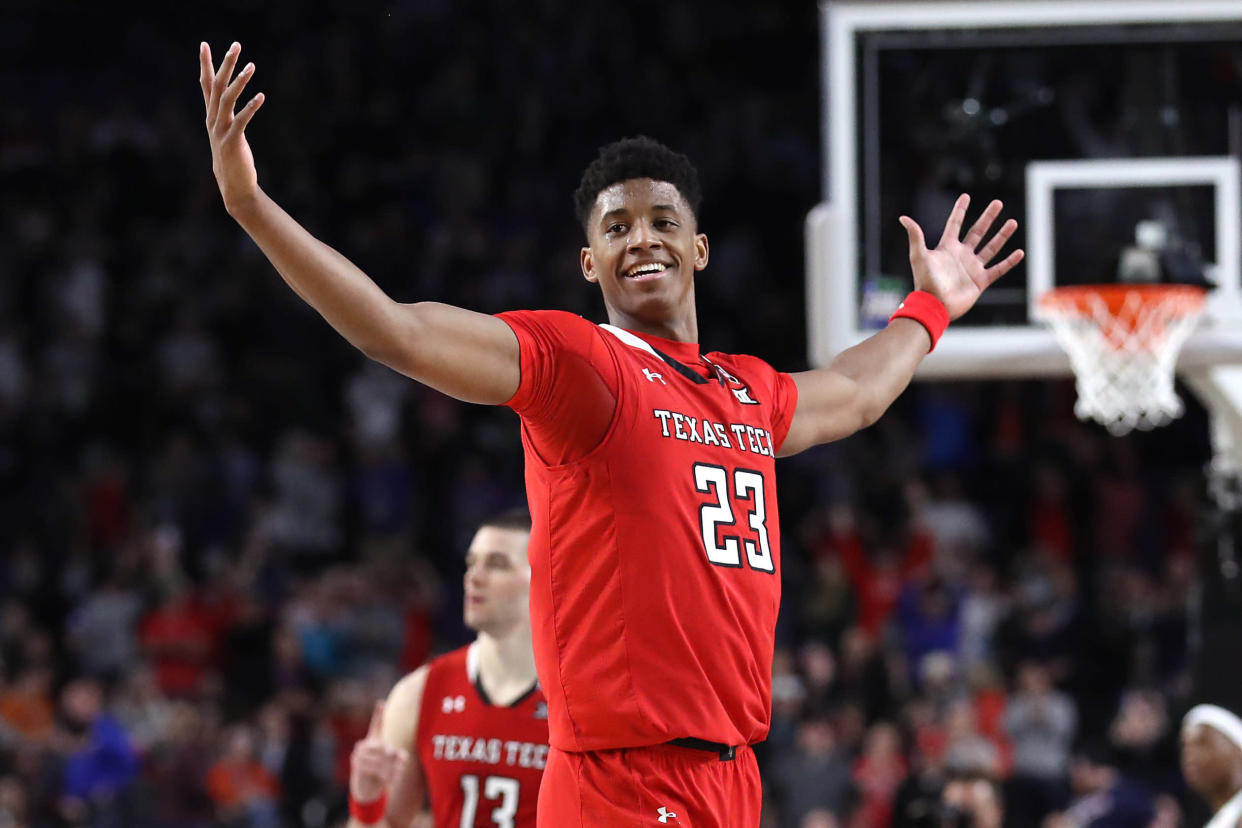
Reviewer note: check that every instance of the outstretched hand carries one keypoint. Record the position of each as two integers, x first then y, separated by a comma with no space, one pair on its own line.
231,158
956,270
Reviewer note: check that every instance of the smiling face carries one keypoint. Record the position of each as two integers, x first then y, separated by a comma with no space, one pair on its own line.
497,580
643,250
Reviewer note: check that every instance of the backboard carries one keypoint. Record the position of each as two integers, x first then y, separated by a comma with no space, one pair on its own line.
1087,119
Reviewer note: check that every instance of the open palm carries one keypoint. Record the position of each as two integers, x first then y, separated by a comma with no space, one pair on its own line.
231,159
956,270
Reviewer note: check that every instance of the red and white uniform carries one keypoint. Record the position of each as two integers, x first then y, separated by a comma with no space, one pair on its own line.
655,552
483,763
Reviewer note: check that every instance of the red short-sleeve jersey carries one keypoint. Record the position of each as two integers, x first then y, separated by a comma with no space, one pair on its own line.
655,552
482,763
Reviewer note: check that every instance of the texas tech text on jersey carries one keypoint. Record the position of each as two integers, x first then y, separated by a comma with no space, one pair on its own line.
483,762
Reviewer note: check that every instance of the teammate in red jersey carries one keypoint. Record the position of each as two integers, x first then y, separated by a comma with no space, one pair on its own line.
468,730
655,554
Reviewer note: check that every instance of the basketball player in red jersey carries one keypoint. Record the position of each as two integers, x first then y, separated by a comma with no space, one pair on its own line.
655,550
468,730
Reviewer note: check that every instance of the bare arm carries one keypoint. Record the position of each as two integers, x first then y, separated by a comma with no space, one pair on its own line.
387,761
408,794
856,387
862,382
468,355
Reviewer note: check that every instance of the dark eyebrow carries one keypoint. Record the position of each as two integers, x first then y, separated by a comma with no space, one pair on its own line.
487,554
622,211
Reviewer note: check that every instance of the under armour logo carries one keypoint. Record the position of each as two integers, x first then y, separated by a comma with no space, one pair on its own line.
453,704
541,710
666,814
652,376
743,396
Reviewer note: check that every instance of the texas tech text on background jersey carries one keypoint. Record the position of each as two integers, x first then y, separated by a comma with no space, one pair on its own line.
482,762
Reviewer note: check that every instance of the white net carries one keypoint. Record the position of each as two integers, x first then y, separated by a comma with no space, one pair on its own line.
1123,342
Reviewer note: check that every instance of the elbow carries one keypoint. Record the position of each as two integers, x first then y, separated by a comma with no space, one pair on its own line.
379,352
864,404
875,398
841,422
391,355
379,348
868,412
868,417
844,424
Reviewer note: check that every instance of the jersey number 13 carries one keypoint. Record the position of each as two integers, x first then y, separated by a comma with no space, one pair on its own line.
494,788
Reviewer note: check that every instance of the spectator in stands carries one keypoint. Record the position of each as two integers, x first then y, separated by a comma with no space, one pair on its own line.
1102,797
100,763
26,708
929,613
175,781
814,776
968,749
1143,742
863,675
178,639
916,803
984,606
877,775
13,803
788,699
1041,722
819,818
101,633
972,799
244,792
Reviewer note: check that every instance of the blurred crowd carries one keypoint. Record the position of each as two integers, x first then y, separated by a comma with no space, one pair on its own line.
225,533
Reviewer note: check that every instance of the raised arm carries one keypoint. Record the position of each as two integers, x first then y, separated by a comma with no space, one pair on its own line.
861,382
468,355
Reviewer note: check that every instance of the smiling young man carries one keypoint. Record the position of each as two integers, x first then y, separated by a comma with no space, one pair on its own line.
655,548
468,731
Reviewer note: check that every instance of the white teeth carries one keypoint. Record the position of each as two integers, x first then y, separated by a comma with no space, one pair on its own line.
650,267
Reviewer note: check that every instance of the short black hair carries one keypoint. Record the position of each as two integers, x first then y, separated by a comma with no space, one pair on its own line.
517,519
639,157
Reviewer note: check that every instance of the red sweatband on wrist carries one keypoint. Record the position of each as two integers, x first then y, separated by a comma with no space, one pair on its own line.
368,813
928,311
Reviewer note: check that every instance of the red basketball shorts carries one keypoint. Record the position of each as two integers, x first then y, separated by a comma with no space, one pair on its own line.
650,786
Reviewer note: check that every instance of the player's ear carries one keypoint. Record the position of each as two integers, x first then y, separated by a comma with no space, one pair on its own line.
587,260
700,251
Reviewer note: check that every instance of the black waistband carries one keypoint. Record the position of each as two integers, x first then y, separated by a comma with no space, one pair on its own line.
727,752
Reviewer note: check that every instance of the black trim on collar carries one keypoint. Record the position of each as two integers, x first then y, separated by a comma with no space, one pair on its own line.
478,686
680,367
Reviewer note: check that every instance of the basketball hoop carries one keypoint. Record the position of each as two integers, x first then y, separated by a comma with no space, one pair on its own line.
1123,342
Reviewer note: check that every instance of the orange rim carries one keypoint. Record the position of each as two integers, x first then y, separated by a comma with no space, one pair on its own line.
1174,301
1077,298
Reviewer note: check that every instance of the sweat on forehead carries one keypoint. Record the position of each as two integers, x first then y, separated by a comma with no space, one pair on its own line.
639,195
